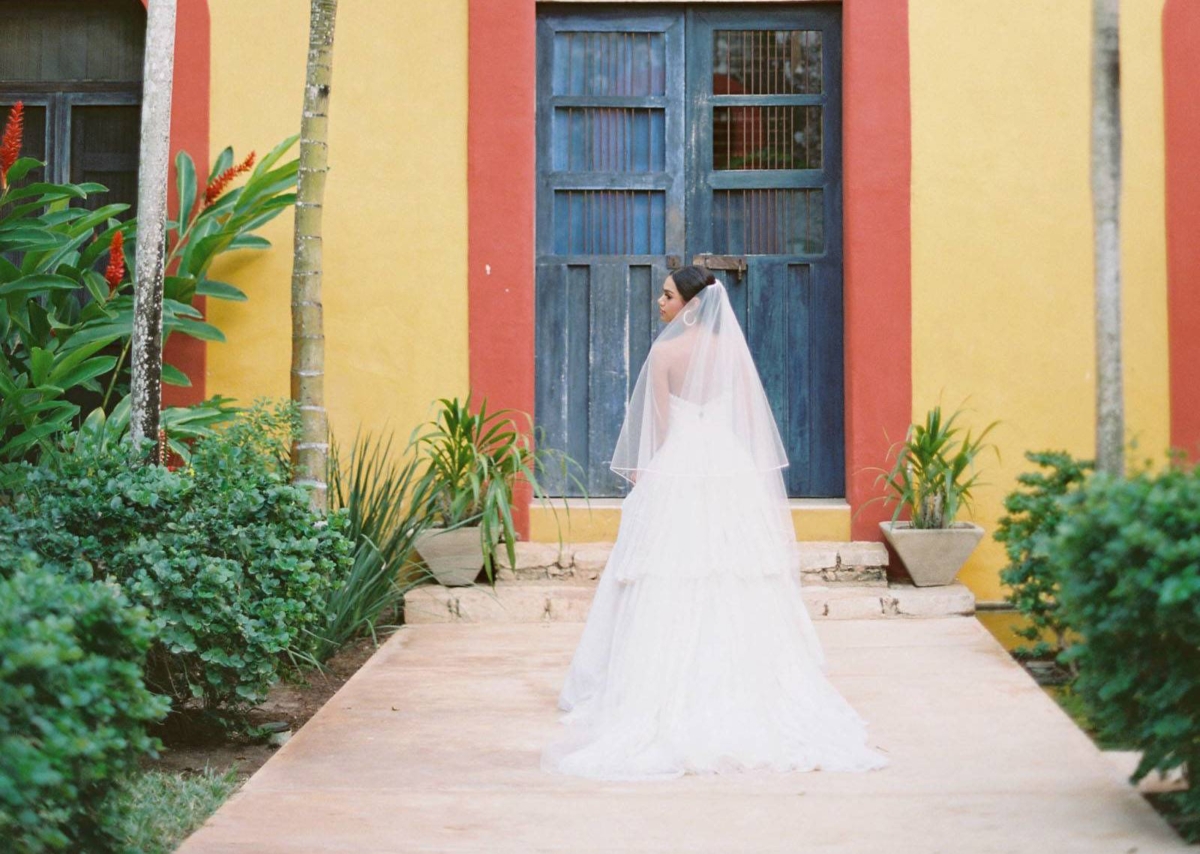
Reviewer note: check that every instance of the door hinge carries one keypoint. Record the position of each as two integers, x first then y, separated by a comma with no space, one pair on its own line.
736,263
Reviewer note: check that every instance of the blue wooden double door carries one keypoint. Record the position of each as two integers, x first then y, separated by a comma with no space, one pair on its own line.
679,134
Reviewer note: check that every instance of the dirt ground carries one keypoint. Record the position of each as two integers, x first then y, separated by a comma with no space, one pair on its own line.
293,702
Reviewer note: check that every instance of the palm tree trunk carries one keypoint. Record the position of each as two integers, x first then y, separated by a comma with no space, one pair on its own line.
310,451
1106,201
153,165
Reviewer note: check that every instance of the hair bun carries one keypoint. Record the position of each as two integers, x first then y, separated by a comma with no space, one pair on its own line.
710,280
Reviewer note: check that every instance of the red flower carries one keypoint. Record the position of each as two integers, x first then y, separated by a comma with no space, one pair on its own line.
10,144
167,458
116,262
218,185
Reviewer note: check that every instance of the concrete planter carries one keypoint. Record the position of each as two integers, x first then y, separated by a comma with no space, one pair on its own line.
454,557
932,556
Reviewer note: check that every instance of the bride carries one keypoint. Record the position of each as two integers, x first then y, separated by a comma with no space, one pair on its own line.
698,655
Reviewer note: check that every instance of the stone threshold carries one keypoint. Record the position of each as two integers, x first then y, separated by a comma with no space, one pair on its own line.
862,564
568,600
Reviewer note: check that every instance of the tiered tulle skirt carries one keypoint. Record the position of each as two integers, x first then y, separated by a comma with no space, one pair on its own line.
698,655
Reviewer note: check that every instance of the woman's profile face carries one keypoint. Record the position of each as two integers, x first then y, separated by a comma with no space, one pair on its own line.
669,302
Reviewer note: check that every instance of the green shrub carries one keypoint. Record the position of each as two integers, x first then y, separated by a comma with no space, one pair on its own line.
1034,512
73,707
1127,558
224,553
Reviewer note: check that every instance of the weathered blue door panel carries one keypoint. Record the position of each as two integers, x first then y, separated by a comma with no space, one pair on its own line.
764,184
610,210
667,132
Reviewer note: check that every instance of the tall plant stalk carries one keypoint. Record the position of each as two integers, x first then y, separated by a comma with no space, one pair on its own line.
310,452
153,165
1106,202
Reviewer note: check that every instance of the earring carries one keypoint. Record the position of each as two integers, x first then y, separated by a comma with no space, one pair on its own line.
692,315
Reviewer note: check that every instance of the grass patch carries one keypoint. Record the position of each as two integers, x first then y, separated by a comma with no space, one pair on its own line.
164,808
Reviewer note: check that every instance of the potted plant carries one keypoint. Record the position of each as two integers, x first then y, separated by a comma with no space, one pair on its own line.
473,461
930,478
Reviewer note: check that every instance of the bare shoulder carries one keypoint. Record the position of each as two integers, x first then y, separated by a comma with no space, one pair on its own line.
668,354
673,346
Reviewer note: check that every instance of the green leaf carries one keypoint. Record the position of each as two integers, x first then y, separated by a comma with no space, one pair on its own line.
70,356
8,270
38,282
40,362
59,217
249,241
43,262
22,442
171,375
203,245
96,217
197,329
219,290
260,214
268,184
88,370
222,162
174,308
104,239
96,285
105,330
47,192
275,153
185,179
30,239
20,168
179,288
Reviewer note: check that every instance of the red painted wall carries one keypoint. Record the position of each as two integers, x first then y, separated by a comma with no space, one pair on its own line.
189,132
877,156
500,201
1181,82
877,149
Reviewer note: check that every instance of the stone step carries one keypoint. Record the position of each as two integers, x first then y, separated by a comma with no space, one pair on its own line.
568,600
860,564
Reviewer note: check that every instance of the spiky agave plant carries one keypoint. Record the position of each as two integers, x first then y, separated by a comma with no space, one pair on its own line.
929,474
388,505
475,458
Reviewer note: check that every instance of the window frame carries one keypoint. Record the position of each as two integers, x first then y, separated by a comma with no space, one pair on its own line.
58,103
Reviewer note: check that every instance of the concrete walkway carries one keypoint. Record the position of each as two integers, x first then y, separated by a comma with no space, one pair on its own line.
433,746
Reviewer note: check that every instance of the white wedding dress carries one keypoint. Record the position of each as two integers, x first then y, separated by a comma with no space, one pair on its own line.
699,655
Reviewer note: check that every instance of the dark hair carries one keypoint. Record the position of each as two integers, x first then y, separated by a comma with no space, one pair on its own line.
690,280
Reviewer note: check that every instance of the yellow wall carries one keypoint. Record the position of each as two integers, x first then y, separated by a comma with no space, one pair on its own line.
395,289
1001,221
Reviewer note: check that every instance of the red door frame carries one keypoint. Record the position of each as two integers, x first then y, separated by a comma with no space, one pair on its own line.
1181,81
189,132
877,156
